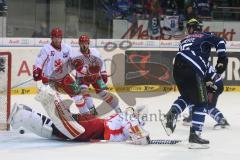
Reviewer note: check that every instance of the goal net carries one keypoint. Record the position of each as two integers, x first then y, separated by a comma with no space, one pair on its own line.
5,89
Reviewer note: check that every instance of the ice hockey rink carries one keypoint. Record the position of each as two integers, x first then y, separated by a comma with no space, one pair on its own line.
223,143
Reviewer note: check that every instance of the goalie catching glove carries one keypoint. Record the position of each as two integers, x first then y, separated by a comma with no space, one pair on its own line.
221,64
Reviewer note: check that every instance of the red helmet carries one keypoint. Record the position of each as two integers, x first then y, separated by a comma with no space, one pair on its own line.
56,32
83,38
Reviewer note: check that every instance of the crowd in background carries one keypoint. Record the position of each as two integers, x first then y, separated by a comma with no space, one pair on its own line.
3,7
96,17
142,9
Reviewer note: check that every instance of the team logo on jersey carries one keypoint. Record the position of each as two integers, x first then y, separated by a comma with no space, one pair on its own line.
52,53
58,66
65,54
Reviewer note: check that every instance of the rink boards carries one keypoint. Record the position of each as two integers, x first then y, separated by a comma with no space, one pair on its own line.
132,65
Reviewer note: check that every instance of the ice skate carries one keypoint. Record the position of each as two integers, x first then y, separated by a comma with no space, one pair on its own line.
171,120
222,124
196,142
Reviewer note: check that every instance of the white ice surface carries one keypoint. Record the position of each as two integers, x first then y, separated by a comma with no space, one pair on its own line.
224,144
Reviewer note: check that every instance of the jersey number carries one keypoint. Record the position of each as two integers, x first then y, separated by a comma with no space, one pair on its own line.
185,46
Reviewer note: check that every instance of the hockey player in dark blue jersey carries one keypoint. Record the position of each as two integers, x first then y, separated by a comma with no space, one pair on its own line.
189,72
214,84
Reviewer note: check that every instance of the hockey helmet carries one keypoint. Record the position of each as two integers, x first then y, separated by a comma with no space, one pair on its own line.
56,32
83,39
84,42
194,24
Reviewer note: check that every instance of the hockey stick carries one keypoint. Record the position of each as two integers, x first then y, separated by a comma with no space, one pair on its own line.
155,141
17,85
165,141
22,83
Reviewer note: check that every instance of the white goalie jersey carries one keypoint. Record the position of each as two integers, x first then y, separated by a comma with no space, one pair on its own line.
54,63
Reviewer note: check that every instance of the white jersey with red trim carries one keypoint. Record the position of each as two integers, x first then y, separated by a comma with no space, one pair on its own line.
54,63
118,127
93,58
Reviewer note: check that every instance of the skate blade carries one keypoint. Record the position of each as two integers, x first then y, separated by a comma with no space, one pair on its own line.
219,127
168,131
198,146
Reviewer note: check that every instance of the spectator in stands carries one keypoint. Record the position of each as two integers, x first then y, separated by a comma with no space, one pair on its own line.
43,32
155,11
153,7
170,7
137,11
172,20
3,8
189,14
122,7
137,8
202,8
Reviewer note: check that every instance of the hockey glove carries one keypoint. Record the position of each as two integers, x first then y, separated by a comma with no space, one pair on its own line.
94,69
78,65
221,64
104,76
37,74
211,87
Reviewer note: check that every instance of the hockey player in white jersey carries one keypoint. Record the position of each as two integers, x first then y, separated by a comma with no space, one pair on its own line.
91,71
63,125
53,65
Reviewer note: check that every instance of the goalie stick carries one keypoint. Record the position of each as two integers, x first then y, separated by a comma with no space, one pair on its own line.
155,141
165,141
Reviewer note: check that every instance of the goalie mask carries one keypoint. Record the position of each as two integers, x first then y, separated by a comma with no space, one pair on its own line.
84,42
193,26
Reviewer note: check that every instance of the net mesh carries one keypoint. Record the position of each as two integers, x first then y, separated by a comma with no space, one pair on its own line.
4,90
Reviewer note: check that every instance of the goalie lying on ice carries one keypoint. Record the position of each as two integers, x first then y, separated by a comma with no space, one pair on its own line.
66,126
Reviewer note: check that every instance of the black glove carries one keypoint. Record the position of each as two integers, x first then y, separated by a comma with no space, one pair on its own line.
211,87
221,64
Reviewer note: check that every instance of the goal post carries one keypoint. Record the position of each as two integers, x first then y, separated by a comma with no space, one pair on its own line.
5,89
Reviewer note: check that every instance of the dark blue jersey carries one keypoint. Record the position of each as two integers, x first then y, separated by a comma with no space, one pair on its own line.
196,49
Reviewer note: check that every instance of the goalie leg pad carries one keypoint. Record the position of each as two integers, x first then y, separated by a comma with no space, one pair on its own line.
59,113
24,116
